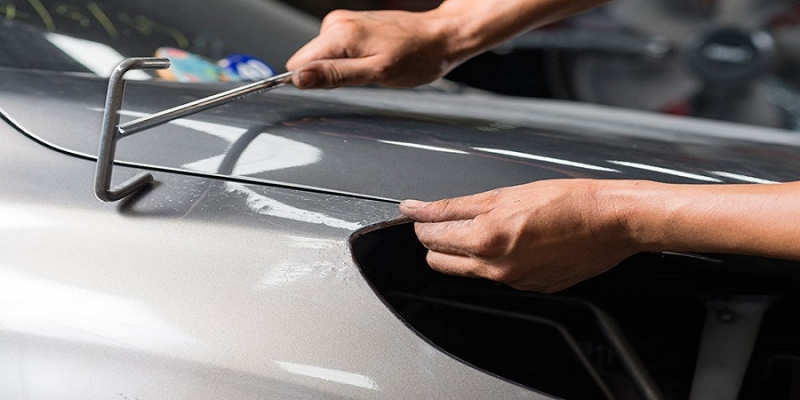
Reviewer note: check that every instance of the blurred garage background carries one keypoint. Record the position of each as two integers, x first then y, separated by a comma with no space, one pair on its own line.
733,60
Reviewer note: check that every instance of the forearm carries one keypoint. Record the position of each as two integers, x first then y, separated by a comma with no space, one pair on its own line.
474,26
746,219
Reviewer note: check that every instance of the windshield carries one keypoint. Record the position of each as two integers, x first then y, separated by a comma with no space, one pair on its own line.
94,35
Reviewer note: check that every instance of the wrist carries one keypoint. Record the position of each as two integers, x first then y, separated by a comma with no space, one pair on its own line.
454,26
640,207
474,26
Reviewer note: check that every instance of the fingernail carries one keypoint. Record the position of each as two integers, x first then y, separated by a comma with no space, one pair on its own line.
308,79
412,204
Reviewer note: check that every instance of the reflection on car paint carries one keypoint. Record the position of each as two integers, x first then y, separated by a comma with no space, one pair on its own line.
544,159
265,153
666,171
16,218
38,307
97,57
743,178
424,147
330,375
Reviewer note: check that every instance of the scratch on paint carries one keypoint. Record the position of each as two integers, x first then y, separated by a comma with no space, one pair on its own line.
266,206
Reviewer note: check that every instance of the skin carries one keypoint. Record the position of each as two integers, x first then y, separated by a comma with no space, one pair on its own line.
549,235
405,49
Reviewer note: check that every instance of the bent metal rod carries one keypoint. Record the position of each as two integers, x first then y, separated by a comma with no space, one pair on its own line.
112,131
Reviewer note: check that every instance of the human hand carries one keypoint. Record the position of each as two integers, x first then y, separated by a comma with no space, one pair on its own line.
389,48
543,236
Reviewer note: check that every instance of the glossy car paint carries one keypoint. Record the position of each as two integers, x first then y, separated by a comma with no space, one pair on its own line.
233,278
401,144
200,288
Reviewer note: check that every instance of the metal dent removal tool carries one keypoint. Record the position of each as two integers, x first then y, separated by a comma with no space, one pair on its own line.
113,131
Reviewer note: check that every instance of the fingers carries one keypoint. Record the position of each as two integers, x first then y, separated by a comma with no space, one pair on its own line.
329,74
458,208
338,56
462,237
469,267
453,264
321,64
316,49
325,45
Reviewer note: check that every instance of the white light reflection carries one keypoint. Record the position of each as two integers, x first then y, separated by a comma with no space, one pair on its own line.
39,307
666,171
266,206
265,153
330,375
13,218
96,57
544,159
424,147
743,178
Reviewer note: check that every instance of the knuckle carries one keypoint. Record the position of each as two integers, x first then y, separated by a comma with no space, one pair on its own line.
482,245
495,196
488,244
334,17
450,206
439,209
331,74
499,274
343,25
382,71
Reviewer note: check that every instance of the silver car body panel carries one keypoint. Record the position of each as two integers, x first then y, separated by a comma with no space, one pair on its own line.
198,289
400,144
233,277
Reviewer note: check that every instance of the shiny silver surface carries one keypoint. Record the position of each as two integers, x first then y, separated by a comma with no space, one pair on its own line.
232,277
399,144
199,288
204,104
112,132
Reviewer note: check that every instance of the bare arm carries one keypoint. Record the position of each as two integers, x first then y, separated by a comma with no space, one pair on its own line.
745,219
403,49
549,235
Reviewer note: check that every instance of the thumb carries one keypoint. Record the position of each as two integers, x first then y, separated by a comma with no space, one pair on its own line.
329,74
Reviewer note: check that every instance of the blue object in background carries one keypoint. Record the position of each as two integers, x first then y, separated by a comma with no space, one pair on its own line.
246,67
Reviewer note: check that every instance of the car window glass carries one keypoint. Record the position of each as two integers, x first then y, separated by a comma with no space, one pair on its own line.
66,35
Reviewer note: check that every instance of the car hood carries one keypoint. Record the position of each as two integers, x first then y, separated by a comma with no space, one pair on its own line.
393,144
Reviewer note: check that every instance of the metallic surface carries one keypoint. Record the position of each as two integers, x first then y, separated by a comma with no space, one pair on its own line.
729,335
204,104
110,132
198,288
232,276
400,144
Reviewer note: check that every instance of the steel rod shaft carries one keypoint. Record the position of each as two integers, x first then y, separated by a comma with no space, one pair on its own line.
203,104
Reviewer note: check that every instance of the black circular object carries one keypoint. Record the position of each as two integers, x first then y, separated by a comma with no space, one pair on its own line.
730,56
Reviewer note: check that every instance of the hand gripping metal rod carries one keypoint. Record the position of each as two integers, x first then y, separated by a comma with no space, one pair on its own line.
112,132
